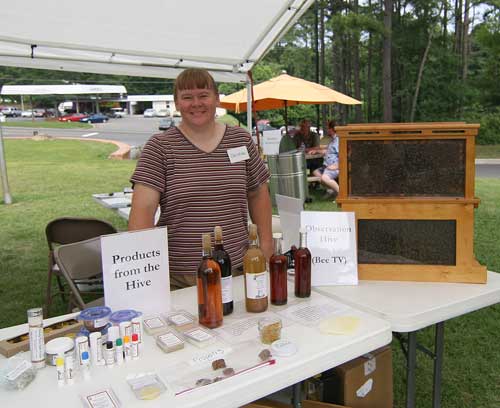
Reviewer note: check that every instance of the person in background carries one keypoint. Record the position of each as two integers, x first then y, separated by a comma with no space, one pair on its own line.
304,138
201,173
329,172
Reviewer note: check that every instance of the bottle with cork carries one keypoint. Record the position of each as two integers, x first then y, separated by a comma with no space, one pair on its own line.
278,273
209,287
256,280
224,261
303,267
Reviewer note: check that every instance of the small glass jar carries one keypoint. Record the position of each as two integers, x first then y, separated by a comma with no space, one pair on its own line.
270,329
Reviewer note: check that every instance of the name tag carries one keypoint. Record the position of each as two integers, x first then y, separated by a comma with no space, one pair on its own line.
238,154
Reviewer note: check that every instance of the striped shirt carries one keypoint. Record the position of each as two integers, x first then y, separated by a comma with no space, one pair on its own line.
200,190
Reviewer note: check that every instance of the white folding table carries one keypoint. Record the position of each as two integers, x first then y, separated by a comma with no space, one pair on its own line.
316,353
411,306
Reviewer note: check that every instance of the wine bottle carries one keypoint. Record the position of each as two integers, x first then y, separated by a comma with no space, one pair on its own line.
254,267
209,288
224,261
302,267
278,274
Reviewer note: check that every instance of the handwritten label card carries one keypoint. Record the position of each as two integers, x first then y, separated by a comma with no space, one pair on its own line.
331,238
135,270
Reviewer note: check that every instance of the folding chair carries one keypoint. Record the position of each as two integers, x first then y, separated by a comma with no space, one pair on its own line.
80,262
66,230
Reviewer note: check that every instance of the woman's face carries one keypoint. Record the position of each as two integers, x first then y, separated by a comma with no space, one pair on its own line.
197,106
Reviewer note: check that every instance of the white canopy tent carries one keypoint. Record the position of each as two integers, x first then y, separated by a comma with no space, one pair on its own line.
151,38
62,89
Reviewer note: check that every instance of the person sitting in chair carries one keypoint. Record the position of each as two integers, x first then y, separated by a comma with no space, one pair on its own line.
329,172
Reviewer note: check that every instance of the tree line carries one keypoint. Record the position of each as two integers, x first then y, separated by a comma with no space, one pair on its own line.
407,60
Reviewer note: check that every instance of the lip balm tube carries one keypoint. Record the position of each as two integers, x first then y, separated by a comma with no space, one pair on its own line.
96,348
60,370
127,350
69,370
125,329
135,346
109,354
82,346
113,333
119,351
137,329
86,365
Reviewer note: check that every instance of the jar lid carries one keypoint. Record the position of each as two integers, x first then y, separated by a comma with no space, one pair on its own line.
59,345
283,348
125,315
95,314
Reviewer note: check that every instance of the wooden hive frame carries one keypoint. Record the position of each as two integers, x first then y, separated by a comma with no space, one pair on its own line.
458,208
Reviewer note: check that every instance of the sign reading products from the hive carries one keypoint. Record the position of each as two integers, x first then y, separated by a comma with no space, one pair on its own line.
135,270
331,238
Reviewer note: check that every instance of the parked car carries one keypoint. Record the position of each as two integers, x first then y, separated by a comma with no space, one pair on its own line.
2,117
117,113
149,113
27,113
72,117
95,118
163,113
262,128
169,122
11,111
39,113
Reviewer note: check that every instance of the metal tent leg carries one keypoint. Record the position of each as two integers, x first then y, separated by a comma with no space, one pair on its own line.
411,360
438,364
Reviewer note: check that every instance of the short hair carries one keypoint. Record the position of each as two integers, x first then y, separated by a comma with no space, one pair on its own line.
331,124
194,78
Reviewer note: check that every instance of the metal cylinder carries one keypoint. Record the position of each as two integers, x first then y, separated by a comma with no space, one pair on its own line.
288,175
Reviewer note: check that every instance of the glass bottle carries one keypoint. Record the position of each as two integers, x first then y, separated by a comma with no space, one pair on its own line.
224,261
302,267
209,288
254,267
278,274
36,337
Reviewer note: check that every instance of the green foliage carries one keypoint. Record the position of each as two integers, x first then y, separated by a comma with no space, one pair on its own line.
489,133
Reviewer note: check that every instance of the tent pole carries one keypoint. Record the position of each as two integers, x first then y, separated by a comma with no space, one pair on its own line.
7,199
286,117
249,104
253,110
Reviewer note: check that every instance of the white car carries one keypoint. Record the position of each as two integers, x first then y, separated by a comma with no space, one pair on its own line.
27,114
118,112
2,117
163,113
149,113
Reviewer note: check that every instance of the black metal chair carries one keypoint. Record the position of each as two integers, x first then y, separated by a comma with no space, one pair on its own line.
81,262
67,230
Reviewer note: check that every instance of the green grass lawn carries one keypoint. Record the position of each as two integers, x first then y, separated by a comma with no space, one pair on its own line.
55,178
49,124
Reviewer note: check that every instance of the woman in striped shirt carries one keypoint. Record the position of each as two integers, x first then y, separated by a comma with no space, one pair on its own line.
201,174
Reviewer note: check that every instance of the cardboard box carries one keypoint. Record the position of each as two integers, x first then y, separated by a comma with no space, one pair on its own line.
267,403
10,347
365,382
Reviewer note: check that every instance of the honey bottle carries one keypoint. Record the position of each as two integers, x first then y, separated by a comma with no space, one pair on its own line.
224,261
209,288
254,267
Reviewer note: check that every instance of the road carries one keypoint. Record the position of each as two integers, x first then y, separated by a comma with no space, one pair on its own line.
136,130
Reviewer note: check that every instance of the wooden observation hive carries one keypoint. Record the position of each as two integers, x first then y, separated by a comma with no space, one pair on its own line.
411,186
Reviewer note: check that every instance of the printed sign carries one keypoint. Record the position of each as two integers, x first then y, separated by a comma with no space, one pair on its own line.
331,238
271,141
135,271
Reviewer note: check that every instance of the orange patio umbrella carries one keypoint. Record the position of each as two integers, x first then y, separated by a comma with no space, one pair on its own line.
283,91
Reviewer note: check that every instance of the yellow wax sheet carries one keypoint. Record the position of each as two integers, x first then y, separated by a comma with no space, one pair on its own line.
340,325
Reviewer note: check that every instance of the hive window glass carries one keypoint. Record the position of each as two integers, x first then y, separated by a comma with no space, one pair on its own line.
426,242
406,168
